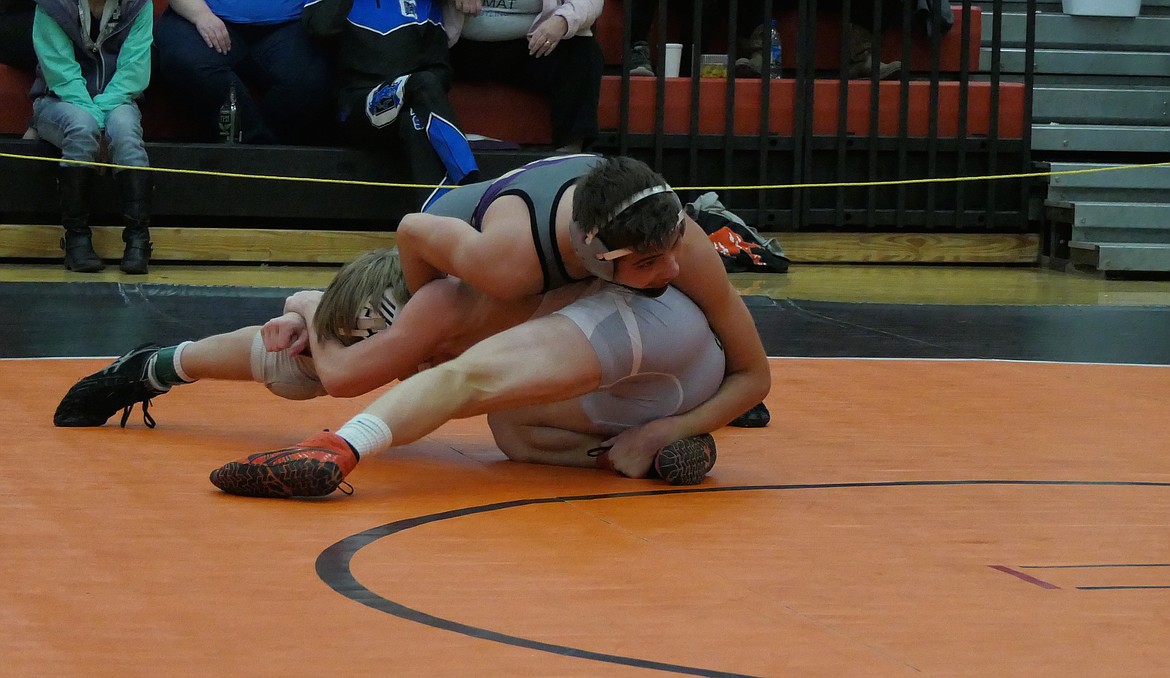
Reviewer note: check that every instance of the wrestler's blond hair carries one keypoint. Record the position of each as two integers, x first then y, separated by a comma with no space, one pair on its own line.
360,283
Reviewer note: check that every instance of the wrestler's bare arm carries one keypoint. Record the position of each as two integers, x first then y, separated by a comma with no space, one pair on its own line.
394,353
703,279
500,261
441,321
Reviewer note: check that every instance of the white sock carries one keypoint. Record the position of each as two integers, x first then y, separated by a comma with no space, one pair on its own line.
178,362
366,433
170,373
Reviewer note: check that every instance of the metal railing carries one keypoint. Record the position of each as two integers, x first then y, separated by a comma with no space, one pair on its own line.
818,151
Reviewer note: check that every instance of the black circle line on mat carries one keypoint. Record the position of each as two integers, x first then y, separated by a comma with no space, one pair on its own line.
333,565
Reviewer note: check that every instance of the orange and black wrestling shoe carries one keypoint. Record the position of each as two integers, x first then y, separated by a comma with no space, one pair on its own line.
313,467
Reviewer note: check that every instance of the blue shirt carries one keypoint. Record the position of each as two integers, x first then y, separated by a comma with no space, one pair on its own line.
256,11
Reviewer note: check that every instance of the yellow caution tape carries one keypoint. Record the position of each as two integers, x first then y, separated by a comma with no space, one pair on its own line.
764,187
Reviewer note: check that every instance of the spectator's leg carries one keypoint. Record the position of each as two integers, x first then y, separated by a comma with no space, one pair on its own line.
643,12
860,39
76,132
124,128
294,71
412,117
198,78
571,77
754,38
429,132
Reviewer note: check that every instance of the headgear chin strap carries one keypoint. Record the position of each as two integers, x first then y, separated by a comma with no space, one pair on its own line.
593,253
373,319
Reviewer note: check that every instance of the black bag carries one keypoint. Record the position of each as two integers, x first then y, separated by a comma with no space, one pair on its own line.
740,246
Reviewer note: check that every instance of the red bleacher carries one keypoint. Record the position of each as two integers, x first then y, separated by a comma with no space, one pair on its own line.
504,112
828,39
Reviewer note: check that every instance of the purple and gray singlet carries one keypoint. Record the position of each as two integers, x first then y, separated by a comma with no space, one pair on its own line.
540,184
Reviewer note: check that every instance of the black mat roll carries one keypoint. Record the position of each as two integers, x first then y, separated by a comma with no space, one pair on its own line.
106,319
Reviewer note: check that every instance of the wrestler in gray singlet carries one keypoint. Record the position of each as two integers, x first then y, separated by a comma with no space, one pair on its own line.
658,355
540,184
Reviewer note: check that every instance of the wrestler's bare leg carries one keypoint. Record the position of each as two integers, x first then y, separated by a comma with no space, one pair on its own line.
542,360
223,356
558,433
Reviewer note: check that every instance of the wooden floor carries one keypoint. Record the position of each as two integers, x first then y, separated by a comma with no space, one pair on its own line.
897,518
824,282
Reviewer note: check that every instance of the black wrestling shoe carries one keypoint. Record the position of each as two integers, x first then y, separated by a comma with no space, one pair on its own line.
757,417
686,461
96,398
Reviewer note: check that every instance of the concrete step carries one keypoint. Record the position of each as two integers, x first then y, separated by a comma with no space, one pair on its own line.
1146,33
1136,257
1113,222
1085,62
1146,106
1100,138
1112,183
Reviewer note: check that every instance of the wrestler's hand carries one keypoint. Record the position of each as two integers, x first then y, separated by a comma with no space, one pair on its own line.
288,332
469,7
632,451
547,36
304,302
214,32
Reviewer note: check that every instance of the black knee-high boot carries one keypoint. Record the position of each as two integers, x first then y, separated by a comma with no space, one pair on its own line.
73,185
134,189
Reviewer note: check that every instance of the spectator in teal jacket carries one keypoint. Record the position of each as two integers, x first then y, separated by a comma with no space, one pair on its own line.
93,63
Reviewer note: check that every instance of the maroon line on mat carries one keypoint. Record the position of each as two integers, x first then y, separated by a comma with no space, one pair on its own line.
1028,578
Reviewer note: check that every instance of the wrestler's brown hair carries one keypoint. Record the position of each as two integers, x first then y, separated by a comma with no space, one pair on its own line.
360,282
648,225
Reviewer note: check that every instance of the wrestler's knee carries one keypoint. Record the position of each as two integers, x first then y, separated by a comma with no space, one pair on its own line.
509,437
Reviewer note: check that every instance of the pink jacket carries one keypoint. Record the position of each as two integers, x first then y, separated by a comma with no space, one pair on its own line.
579,14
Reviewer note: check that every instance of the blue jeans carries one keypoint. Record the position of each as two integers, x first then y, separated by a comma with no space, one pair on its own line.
281,63
76,132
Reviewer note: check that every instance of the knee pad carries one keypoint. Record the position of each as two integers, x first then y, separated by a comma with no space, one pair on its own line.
384,102
288,376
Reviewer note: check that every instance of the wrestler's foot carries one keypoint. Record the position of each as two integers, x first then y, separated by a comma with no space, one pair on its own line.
313,467
757,417
686,461
96,398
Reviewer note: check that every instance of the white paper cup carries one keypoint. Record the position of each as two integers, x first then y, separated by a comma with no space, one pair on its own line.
673,59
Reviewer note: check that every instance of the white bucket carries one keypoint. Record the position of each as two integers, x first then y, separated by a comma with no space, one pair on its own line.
1102,7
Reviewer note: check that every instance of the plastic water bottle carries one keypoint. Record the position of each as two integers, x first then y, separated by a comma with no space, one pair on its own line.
229,117
774,67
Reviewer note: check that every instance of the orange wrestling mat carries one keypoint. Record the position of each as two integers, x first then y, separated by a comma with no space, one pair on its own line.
898,518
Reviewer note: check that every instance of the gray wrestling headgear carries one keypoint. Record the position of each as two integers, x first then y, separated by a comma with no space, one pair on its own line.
593,253
371,320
